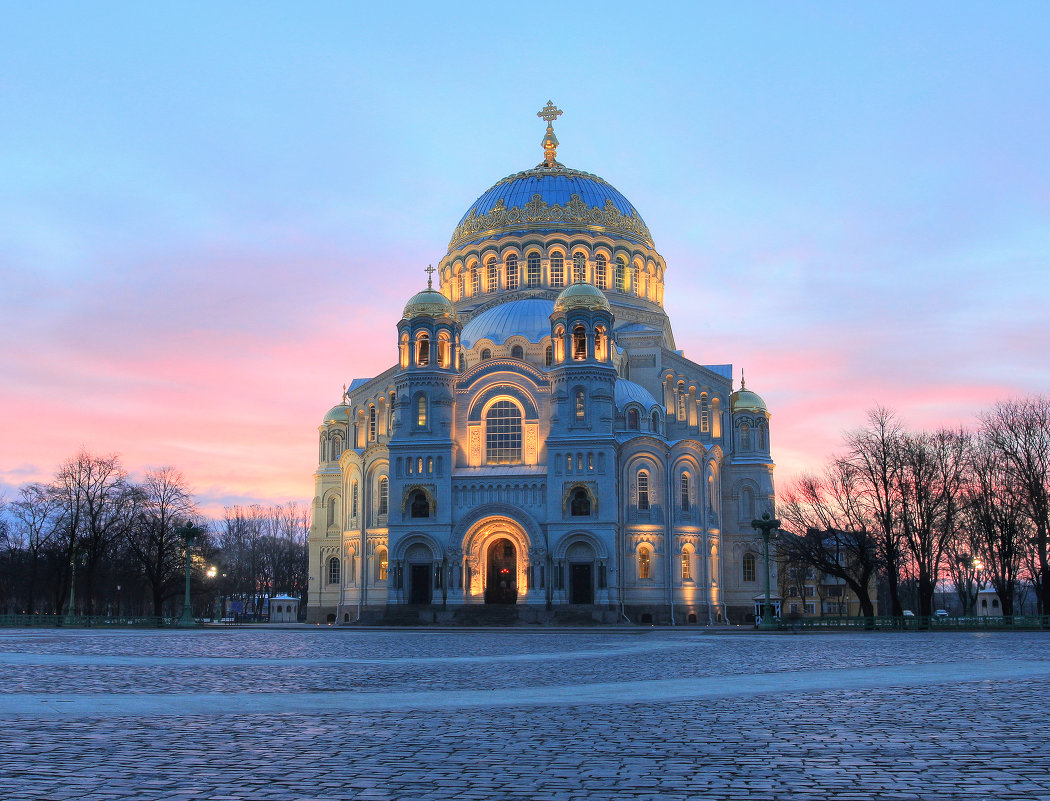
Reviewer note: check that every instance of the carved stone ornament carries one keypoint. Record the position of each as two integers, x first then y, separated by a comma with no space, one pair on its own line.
537,212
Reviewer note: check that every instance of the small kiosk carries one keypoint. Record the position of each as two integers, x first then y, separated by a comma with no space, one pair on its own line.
284,609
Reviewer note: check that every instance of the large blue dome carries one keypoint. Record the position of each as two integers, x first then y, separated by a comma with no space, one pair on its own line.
528,317
551,198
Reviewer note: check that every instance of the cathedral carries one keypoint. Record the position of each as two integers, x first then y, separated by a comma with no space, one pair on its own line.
541,450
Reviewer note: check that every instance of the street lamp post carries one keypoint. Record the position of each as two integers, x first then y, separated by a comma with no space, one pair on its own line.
189,533
766,526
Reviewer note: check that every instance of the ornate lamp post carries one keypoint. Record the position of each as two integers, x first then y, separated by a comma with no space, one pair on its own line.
767,526
189,533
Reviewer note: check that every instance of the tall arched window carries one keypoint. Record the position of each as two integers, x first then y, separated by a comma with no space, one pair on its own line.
383,501
486,354
548,356
333,570
748,567
705,414
687,571
475,281
580,406
681,401
557,270
331,511
643,489
516,352
579,343
512,271
503,433
600,342
761,438
492,282
533,269
423,349
444,351
599,271
645,564
421,411
353,500
403,351
620,276
372,423
337,447
656,422
579,267
747,504
380,564
580,503
745,437
685,492
418,505
632,419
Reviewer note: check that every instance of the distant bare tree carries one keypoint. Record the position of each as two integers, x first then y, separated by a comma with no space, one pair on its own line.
37,516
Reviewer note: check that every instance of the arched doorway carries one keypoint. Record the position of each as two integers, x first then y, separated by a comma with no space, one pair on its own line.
581,573
502,584
420,564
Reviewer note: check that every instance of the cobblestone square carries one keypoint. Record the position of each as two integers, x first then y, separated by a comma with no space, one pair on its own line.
231,715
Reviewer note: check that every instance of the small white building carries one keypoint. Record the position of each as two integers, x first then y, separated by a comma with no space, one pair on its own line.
284,609
988,603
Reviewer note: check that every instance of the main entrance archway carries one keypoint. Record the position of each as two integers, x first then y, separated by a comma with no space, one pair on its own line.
501,586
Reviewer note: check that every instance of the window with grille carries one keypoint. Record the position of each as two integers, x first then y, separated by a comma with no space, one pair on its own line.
333,571
644,563
372,422
705,414
748,566
503,433
381,564
493,276
632,419
475,281
384,496
643,489
512,271
745,436
681,403
687,572
421,411
557,270
533,269
579,267
579,405
599,271
620,276
548,356
685,492
353,500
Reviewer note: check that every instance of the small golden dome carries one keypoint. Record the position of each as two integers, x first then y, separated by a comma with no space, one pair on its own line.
581,296
429,303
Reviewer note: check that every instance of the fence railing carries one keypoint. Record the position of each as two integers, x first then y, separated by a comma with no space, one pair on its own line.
934,623
84,621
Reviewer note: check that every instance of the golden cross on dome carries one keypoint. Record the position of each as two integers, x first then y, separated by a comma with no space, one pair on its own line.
430,276
550,113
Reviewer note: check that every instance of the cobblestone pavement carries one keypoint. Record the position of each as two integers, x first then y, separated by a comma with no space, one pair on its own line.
333,714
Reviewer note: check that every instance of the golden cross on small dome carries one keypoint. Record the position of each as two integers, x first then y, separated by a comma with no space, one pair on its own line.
550,113
430,276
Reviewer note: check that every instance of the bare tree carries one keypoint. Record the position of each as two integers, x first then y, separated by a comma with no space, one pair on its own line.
37,516
1020,431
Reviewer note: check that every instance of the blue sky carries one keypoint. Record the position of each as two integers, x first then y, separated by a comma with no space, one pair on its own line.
211,213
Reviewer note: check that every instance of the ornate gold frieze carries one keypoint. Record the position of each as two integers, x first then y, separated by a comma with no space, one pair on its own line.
538,213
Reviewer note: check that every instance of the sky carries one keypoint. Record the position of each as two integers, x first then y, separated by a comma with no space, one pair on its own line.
211,214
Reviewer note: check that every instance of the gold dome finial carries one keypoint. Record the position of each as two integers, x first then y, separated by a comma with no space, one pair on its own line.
743,386
430,276
550,113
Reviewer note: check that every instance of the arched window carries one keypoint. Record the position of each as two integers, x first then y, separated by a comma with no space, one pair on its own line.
579,343
486,354
748,567
383,501
492,281
337,447
548,356
579,267
503,433
559,344
620,276
747,504
333,570
643,490
745,437
680,392
423,349
645,564
372,423
444,351
599,343
656,422
705,414
632,419
533,269
580,504
687,572
353,500
599,271
761,438
380,564
331,511
430,464
403,351
685,492
475,281
418,505
580,406
516,352
421,411
557,270
512,271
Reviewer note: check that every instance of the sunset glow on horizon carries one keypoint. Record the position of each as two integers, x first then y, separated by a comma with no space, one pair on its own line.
210,221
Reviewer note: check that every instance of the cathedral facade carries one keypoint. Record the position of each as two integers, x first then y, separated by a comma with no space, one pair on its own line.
541,448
